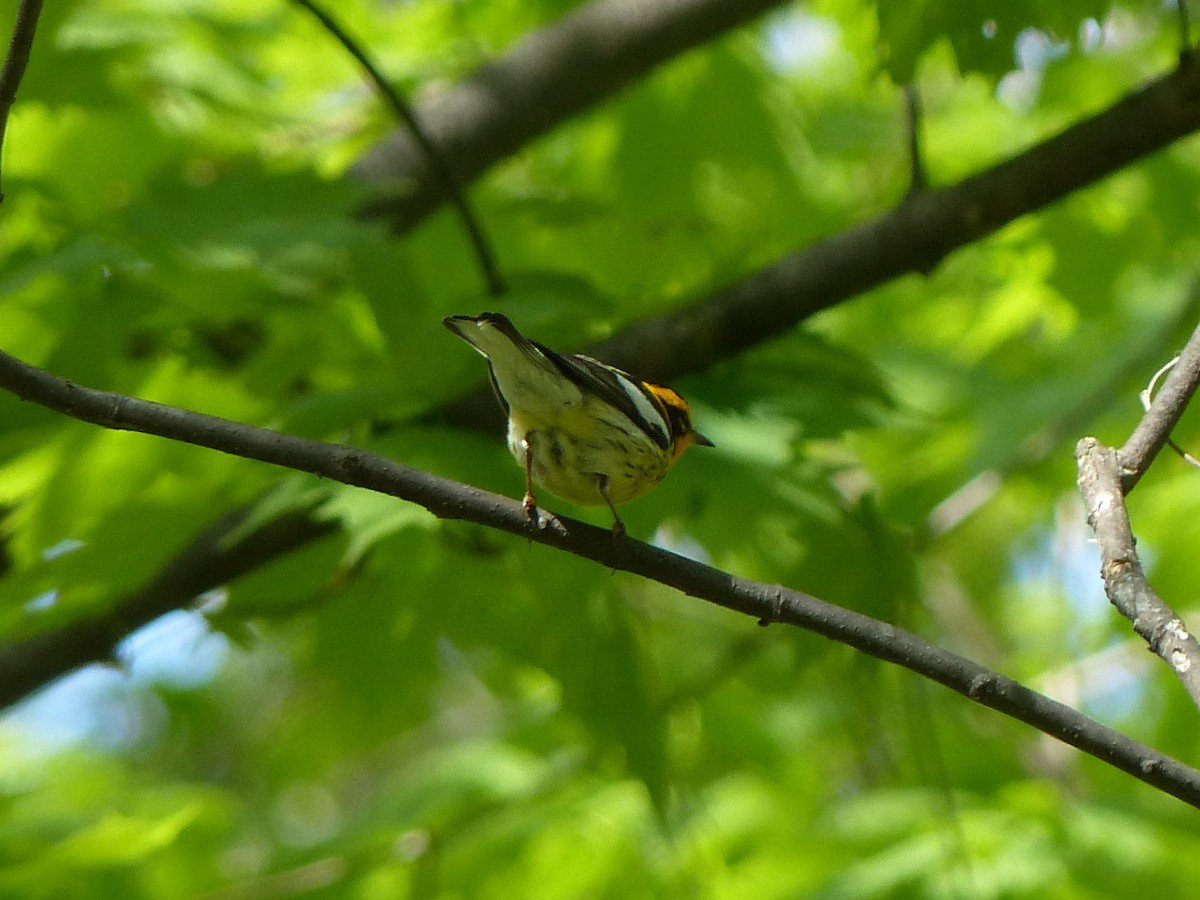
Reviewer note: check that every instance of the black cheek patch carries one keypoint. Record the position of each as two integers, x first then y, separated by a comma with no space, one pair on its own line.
681,422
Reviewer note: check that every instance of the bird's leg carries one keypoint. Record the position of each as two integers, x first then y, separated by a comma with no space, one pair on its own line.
529,502
618,528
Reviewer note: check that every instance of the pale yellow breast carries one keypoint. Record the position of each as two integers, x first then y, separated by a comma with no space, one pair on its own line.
572,448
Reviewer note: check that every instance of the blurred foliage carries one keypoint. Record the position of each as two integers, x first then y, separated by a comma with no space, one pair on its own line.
422,709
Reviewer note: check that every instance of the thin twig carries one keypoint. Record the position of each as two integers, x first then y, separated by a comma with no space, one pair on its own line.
15,61
763,602
1154,430
1185,28
1147,398
442,168
1147,394
918,181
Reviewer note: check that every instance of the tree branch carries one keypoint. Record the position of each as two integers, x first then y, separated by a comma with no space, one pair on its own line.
928,227
766,603
1125,581
918,179
440,168
204,564
547,77
15,61
913,237
1154,430
1106,476
910,238
490,123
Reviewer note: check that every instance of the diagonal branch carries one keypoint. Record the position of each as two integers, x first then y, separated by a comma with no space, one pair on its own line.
1154,430
911,238
918,179
19,48
764,602
207,562
442,171
1125,580
550,75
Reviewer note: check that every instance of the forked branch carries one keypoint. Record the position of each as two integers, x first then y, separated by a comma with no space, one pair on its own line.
1106,476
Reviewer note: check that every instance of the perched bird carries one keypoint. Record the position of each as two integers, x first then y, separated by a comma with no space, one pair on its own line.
587,432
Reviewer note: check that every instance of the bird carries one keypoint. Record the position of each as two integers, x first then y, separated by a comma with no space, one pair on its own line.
587,432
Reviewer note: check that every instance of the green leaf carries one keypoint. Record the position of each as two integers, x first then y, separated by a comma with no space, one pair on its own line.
118,839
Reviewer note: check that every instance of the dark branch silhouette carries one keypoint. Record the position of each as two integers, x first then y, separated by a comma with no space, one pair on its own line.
440,167
911,237
548,76
15,60
918,179
765,602
208,562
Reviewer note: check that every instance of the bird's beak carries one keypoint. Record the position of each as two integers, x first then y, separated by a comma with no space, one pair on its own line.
700,440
